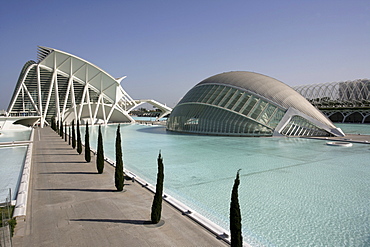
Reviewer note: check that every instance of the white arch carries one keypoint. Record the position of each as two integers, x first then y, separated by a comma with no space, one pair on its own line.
67,87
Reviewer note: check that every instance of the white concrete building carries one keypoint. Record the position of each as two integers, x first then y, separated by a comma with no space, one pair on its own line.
67,87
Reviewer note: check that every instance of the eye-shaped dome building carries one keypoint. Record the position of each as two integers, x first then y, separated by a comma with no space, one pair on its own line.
243,103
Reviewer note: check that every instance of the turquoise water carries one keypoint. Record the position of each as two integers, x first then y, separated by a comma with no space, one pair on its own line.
15,135
153,119
363,129
293,192
11,165
11,161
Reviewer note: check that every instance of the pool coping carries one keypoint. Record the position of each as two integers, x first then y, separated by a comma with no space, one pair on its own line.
23,188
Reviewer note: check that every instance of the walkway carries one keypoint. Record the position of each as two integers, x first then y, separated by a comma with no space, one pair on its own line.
71,205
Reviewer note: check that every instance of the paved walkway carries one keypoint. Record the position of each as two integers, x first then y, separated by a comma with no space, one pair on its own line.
71,205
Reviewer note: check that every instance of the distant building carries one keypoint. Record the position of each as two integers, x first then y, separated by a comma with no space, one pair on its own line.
347,101
248,104
66,87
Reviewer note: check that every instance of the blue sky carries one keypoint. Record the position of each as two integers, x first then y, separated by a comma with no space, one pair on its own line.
165,47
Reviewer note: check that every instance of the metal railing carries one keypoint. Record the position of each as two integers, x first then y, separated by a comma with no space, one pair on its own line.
6,215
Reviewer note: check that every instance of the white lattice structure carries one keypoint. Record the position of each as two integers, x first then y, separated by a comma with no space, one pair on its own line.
347,101
337,94
67,87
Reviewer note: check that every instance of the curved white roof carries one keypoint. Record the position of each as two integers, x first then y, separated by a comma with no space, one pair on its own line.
68,87
63,86
81,69
269,88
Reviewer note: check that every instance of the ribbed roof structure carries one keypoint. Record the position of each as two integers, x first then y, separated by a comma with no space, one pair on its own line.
270,89
245,103
66,87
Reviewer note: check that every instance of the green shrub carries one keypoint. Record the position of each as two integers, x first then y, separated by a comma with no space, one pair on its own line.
12,223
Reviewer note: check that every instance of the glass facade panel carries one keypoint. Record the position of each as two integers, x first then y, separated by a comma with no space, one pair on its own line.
207,94
298,126
257,110
243,103
227,97
221,95
233,99
214,94
200,118
237,103
276,118
267,113
251,104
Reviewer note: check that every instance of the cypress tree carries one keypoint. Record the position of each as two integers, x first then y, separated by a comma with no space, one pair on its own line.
118,174
100,153
87,144
157,201
61,129
52,123
69,135
235,216
79,143
73,135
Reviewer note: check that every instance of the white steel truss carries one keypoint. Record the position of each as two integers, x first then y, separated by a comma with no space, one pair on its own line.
67,87
348,94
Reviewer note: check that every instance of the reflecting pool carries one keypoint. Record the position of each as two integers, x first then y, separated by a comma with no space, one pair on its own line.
15,135
11,161
293,192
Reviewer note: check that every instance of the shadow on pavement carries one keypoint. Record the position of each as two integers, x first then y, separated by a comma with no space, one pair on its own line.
69,173
134,222
84,190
